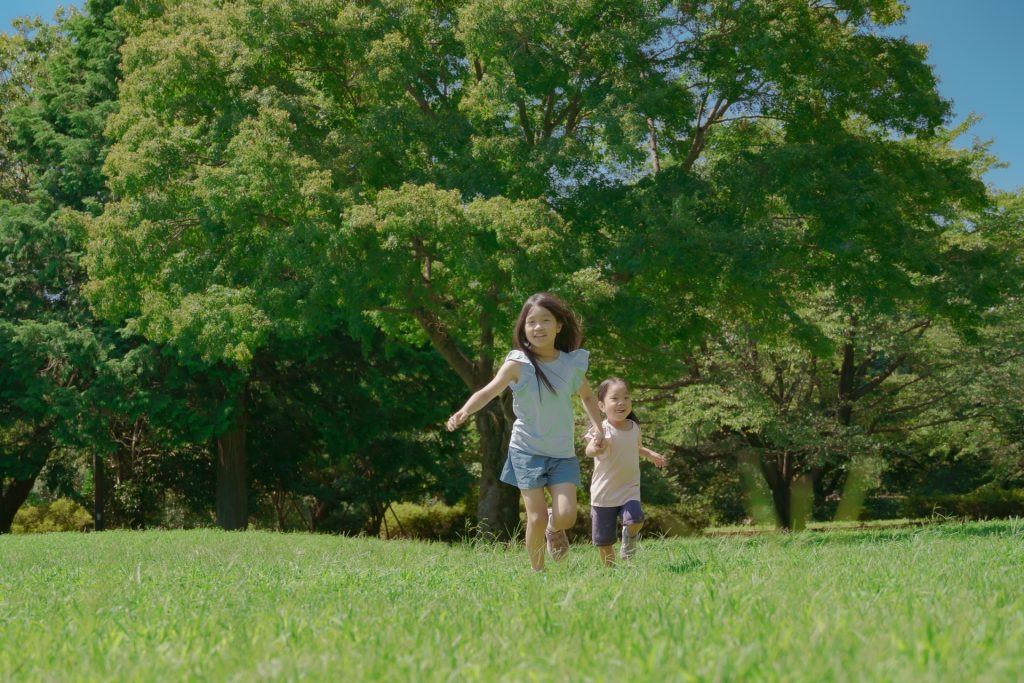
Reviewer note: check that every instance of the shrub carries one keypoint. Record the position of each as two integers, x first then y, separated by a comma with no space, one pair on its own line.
679,519
434,522
438,522
885,506
986,502
61,515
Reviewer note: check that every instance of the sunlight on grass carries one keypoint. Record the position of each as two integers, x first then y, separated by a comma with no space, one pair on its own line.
931,603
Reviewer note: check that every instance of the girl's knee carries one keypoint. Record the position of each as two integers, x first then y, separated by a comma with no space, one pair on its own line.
563,519
535,518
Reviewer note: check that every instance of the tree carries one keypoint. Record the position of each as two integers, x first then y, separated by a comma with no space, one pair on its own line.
800,231
230,172
59,85
458,269
704,164
894,389
338,435
216,241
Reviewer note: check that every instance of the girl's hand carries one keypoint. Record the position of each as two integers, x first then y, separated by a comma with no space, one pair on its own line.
597,438
457,419
657,458
592,448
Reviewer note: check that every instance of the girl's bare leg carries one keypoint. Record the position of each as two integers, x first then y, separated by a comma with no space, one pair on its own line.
536,523
563,506
607,554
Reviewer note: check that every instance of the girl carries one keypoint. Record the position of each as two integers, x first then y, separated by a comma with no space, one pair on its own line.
615,487
544,370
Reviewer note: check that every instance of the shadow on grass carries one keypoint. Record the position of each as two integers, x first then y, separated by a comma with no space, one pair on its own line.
686,564
945,528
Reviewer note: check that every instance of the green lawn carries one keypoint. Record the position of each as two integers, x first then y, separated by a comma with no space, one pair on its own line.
937,603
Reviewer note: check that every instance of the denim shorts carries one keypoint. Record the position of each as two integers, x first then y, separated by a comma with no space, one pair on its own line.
526,471
603,520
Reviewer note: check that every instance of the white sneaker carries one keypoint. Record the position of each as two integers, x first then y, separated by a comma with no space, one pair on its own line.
629,542
558,542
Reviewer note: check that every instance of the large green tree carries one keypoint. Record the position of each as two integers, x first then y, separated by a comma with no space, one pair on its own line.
338,435
879,383
671,167
59,85
216,239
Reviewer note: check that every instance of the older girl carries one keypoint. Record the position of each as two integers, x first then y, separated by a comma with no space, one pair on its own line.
545,368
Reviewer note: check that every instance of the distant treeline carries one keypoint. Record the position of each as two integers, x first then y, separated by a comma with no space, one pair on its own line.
253,253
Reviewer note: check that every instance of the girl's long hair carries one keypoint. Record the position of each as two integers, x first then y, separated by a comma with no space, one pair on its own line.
568,339
602,391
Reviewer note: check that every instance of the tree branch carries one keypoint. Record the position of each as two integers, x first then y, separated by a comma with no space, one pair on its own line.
524,121
653,143
443,342
933,423
423,104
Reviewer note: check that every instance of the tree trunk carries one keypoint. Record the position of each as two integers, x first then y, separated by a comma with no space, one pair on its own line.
801,496
498,505
232,495
99,490
847,378
781,500
12,495
792,494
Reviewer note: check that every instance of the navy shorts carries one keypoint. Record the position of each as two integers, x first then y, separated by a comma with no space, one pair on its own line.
603,521
526,471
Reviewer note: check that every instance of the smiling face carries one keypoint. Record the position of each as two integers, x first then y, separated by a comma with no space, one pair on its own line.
616,403
545,326
541,328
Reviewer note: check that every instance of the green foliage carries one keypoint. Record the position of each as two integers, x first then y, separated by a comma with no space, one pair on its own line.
890,399
986,502
220,239
485,256
431,522
337,432
436,521
60,515
756,206
62,86
679,519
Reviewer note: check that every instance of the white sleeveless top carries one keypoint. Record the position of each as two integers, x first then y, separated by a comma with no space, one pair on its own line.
616,478
544,420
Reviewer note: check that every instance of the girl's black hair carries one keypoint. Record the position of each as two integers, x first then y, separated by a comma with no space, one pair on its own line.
602,391
567,339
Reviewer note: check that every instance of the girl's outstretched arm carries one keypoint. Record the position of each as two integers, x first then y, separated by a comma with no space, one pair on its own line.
507,374
593,412
657,458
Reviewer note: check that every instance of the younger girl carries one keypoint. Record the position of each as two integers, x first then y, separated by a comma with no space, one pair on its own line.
545,369
615,487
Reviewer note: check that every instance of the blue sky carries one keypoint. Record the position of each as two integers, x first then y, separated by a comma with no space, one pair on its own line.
975,48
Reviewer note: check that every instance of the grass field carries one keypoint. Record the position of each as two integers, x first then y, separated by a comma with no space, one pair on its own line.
939,603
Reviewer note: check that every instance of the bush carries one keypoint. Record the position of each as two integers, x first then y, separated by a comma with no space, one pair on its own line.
987,502
433,522
439,522
885,506
677,519
61,515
